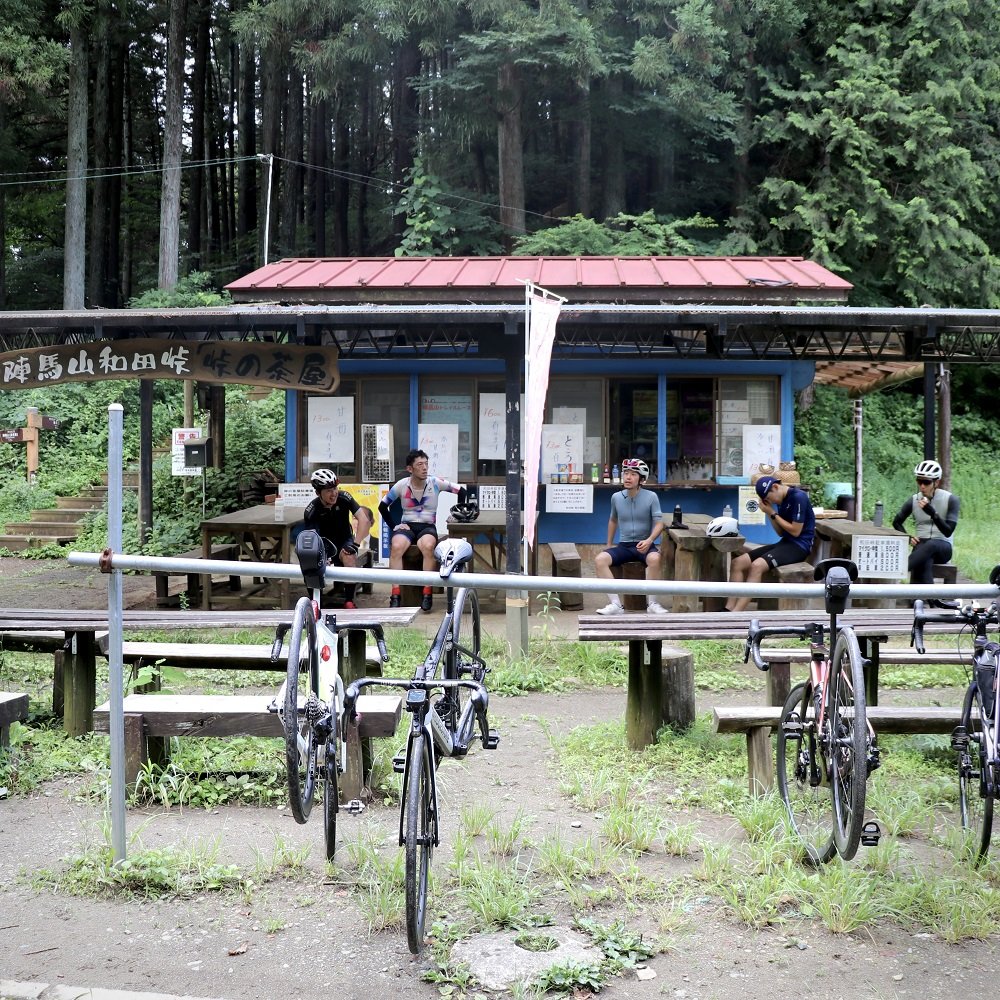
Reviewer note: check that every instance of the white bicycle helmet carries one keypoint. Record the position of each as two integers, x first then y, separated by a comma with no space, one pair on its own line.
323,479
636,465
927,469
721,526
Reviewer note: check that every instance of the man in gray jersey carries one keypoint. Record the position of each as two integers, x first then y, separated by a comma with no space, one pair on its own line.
635,515
935,514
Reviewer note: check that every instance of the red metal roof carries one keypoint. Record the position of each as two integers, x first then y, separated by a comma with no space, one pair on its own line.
580,279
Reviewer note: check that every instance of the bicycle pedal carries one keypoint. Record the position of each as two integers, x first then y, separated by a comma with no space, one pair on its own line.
492,741
355,807
399,762
792,726
959,739
870,834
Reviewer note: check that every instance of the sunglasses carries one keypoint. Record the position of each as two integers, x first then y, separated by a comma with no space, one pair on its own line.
925,482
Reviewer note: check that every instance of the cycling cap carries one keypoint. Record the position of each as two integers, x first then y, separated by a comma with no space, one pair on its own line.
636,465
763,485
721,526
465,511
928,469
323,479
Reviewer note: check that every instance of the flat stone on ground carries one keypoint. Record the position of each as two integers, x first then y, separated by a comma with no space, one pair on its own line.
498,962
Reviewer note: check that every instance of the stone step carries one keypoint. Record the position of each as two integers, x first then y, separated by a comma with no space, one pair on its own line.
61,515
81,503
19,543
43,529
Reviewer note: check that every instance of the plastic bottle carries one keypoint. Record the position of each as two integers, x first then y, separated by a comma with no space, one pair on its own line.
594,473
616,476
877,518
727,511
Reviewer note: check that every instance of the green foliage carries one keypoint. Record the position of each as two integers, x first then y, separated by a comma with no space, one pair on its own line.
193,291
622,236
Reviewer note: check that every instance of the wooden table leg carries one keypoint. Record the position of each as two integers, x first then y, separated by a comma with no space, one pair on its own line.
688,567
206,553
779,679
355,780
79,684
644,704
870,651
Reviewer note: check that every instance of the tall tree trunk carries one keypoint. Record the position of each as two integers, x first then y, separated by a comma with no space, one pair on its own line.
173,124
318,141
246,208
341,187
97,256
579,194
510,152
75,240
291,202
405,120
271,99
199,150
612,159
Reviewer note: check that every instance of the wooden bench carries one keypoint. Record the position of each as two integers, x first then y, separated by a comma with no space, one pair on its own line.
566,562
13,708
946,572
222,550
151,716
757,721
631,571
797,572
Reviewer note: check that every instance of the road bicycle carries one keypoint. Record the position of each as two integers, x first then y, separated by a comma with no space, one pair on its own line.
975,738
825,746
446,710
310,702
446,698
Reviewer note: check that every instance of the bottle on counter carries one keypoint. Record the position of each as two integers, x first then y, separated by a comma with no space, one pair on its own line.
607,473
727,511
616,476
595,473
877,518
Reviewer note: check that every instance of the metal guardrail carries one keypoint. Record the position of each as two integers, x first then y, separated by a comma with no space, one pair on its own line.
513,582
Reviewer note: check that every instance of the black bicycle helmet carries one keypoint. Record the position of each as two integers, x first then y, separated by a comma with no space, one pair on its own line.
323,479
464,512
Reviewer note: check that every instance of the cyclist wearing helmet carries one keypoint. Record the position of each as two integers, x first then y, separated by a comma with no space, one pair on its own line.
935,514
331,515
635,514
417,498
792,517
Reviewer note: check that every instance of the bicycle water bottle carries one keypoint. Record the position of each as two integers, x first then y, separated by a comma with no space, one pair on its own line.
877,518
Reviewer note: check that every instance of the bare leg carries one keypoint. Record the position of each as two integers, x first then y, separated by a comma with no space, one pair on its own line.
426,544
653,572
752,571
602,568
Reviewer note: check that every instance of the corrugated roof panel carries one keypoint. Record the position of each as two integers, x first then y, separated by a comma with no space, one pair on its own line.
569,274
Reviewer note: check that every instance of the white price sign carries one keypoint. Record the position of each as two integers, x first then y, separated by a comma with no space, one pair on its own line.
882,557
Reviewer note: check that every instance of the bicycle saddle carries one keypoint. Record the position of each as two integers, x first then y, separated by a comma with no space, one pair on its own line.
451,554
312,556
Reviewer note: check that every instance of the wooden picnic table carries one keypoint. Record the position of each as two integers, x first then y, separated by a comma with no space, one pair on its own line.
264,534
645,635
692,554
81,628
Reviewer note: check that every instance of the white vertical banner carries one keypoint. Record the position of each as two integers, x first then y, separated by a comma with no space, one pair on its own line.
542,310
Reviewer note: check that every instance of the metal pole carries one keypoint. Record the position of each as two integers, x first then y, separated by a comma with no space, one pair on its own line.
859,422
116,719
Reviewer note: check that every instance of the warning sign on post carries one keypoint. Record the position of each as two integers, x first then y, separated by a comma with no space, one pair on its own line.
882,557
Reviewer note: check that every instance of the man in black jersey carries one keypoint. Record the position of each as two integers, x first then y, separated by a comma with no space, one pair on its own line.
340,521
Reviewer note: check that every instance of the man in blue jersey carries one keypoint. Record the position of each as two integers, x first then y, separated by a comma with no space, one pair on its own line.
791,515
635,515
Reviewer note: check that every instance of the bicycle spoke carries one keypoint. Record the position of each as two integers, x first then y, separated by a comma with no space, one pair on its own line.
848,751
300,703
801,777
419,837
974,799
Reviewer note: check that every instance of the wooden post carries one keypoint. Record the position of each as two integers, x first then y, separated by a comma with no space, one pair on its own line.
33,422
779,679
643,708
677,685
688,566
760,763
79,684
58,702
354,782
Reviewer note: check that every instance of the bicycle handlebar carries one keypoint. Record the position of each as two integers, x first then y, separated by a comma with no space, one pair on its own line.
810,630
978,618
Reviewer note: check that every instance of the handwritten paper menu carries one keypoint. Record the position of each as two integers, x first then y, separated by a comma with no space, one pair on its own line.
562,449
330,429
440,441
761,446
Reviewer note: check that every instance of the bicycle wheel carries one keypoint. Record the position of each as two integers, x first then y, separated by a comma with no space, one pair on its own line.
301,696
975,803
463,660
419,843
848,747
801,781
330,792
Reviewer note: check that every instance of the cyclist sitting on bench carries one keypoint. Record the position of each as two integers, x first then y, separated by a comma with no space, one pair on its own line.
792,516
417,496
330,515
